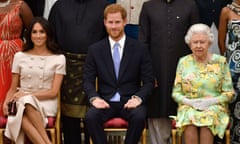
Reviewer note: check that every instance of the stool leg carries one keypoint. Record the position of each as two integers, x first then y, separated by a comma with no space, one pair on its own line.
144,136
53,137
179,137
90,141
174,131
1,135
227,135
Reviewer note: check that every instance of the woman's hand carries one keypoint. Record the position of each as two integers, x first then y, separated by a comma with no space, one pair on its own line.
5,108
18,94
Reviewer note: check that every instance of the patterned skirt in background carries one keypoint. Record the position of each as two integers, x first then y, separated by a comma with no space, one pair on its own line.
73,99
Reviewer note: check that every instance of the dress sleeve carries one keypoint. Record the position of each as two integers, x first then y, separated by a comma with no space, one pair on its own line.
16,63
61,66
227,90
177,92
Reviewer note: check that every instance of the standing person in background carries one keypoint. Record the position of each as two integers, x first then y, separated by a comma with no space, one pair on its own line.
171,18
77,23
133,8
47,7
229,44
15,16
37,6
209,11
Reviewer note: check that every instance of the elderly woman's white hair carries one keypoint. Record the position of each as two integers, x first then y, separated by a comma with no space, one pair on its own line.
199,28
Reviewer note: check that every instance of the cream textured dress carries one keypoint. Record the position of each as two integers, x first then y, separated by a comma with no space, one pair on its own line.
36,73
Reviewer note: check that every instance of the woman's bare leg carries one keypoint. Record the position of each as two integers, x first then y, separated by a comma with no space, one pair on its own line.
191,134
206,136
31,131
35,118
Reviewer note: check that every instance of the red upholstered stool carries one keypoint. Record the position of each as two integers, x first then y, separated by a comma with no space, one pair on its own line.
51,122
175,134
116,128
116,123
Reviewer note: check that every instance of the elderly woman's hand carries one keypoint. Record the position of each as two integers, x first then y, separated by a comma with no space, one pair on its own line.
200,103
191,102
205,103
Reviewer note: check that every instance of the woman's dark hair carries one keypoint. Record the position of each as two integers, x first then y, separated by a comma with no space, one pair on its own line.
50,43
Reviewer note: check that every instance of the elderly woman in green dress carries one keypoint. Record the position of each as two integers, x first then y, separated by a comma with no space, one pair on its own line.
202,89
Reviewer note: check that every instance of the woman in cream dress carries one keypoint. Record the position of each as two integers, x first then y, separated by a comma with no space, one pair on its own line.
37,75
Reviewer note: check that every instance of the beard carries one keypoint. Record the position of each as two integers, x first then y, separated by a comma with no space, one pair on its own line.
115,34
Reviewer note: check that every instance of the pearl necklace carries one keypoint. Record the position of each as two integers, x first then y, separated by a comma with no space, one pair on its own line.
4,4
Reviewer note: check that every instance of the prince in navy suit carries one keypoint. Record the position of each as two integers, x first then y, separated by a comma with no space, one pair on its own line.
117,95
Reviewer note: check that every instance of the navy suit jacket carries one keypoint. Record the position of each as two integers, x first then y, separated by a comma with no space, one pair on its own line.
135,74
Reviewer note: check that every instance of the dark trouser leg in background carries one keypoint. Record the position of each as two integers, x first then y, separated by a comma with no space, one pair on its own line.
71,130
